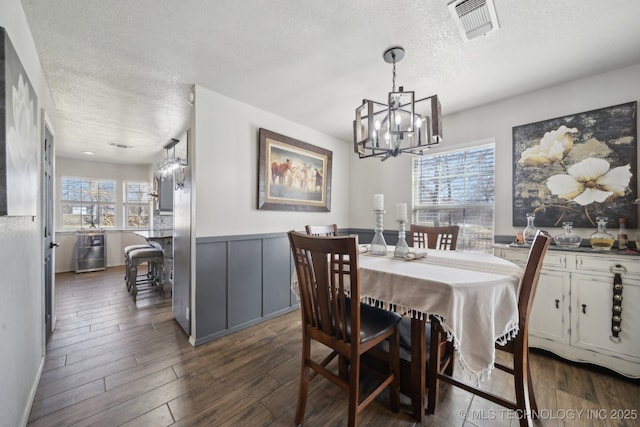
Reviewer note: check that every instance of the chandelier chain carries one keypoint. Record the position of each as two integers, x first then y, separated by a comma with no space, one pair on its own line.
394,72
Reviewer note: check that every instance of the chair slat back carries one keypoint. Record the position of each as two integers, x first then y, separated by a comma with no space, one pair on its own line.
327,269
445,238
322,230
532,270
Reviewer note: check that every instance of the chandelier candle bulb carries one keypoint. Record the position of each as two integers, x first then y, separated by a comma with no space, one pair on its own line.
401,211
378,202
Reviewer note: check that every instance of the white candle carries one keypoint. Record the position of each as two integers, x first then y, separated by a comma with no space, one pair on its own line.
401,211
378,202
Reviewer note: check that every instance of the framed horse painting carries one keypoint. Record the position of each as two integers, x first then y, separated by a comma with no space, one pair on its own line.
292,175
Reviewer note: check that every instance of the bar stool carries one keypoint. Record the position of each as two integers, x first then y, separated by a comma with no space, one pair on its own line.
154,257
128,249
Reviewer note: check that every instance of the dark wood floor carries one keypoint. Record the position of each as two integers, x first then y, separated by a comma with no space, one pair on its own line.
111,362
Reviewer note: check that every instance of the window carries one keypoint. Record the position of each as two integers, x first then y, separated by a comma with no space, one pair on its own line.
457,188
87,203
137,204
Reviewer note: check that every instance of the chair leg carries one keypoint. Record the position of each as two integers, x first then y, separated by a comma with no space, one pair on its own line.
418,365
131,279
435,360
354,390
449,350
343,367
305,377
394,368
522,380
532,396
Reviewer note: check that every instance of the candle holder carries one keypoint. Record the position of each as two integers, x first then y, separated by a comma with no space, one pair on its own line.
378,244
402,249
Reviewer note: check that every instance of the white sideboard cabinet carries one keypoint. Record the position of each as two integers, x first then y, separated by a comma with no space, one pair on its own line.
580,311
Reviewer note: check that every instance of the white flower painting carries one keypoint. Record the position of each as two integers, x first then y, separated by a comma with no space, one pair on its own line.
19,185
576,168
590,181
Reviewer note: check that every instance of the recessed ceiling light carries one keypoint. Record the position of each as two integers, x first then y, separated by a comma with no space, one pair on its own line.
88,153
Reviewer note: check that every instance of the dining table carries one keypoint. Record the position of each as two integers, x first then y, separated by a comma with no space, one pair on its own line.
473,295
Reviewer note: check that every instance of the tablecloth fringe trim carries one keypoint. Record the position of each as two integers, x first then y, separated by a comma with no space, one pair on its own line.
485,374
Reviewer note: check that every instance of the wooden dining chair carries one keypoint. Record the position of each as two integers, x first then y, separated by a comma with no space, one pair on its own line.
322,230
327,269
422,236
525,402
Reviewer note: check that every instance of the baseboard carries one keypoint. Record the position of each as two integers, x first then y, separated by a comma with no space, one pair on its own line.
245,325
32,394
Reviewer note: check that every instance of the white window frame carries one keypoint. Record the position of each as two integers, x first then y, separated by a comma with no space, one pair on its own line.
144,201
86,200
474,216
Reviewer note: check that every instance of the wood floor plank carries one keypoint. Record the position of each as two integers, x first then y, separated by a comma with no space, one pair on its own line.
139,405
75,368
158,417
148,373
100,403
54,403
84,377
225,405
54,363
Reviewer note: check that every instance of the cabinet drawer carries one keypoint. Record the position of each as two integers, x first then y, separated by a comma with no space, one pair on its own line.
551,259
587,263
516,257
554,259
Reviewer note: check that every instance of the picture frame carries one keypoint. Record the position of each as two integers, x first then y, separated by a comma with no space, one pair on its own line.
576,168
293,175
19,135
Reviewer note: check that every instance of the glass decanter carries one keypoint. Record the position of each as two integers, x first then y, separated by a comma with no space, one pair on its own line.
529,233
602,240
567,239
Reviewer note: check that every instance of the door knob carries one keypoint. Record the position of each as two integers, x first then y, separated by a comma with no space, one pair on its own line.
53,245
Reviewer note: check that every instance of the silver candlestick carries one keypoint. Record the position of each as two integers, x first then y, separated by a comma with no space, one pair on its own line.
378,244
402,248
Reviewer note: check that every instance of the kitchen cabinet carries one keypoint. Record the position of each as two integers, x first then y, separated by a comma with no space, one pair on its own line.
574,306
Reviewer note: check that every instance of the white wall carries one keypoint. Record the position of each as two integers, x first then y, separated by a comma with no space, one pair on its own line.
116,239
226,170
393,177
21,260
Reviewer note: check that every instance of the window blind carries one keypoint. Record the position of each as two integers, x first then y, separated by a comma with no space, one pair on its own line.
457,188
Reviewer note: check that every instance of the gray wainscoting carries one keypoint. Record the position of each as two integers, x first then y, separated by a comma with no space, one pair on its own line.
241,281
244,280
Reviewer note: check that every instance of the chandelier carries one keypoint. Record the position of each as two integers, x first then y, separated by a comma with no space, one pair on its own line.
402,125
170,163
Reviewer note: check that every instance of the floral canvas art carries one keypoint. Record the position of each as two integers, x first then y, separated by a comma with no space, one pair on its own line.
577,168
19,152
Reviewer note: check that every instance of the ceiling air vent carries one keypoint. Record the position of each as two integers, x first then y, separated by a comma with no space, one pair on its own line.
474,17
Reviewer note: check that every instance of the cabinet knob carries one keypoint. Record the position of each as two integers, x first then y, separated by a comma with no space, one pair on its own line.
584,308
557,303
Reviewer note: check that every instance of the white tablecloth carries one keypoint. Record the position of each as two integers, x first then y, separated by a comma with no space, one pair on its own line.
475,295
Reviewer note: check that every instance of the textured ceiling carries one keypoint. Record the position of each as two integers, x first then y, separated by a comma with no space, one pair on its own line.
121,71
